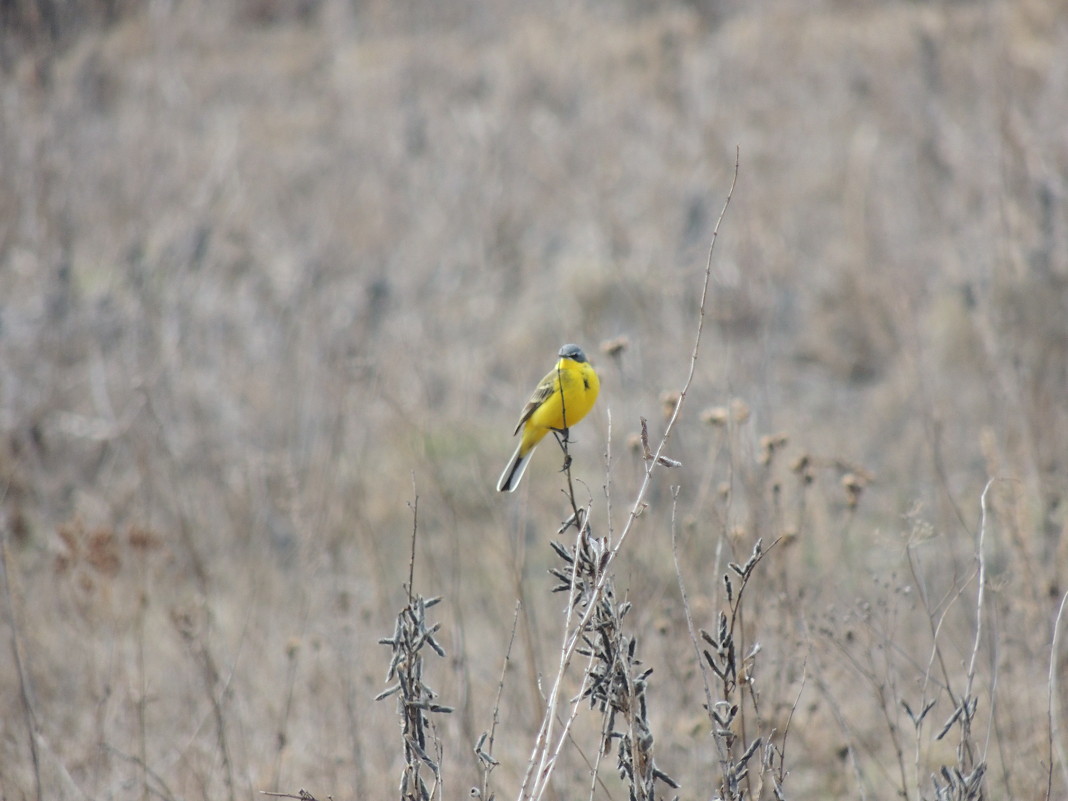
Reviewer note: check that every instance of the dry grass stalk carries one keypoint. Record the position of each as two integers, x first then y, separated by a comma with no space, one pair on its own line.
731,686
415,698
484,745
615,681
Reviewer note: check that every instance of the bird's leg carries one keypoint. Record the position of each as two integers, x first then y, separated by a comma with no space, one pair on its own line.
562,440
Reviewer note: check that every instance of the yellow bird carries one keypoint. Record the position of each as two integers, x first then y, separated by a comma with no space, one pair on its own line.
562,398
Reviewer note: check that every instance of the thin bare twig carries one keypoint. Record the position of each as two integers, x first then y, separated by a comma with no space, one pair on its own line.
416,701
980,591
164,791
414,506
1055,741
484,746
686,611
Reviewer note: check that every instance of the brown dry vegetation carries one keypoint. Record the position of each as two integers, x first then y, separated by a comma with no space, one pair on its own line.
270,270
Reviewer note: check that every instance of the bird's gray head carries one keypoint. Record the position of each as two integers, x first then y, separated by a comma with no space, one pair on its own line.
572,352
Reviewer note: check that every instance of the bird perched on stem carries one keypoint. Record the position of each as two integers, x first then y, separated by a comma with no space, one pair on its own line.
562,398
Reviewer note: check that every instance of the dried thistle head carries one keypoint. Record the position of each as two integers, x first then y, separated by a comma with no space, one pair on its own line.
789,536
769,444
740,411
715,416
854,485
614,347
802,466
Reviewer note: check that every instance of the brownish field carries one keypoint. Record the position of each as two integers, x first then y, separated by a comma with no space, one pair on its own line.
269,271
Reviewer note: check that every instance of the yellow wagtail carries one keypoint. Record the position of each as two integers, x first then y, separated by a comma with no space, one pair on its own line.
562,398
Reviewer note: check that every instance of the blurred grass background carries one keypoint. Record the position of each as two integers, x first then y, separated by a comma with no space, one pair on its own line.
269,270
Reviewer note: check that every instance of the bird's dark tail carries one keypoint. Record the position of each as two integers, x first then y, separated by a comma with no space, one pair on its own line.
517,465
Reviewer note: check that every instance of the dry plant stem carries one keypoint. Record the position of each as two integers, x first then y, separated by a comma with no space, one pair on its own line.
936,630
163,790
970,766
743,718
184,501
979,598
892,731
486,761
693,358
733,671
932,426
993,730
685,598
608,478
573,636
211,678
302,795
563,437
980,590
1056,744
968,763
25,688
612,678
356,728
879,685
550,759
850,736
287,707
595,768
588,553
530,647
541,764
415,700
728,761
781,773
564,442
414,506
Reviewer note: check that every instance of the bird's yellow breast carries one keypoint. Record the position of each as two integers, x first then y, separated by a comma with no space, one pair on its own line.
575,388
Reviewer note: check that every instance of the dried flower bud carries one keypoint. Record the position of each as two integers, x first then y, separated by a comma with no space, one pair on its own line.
615,347
854,485
715,416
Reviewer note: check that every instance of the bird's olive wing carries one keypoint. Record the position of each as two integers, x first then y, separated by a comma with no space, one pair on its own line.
541,394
